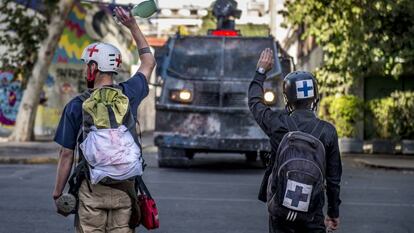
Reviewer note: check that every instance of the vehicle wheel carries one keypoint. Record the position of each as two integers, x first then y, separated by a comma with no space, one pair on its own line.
171,157
189,154
251,156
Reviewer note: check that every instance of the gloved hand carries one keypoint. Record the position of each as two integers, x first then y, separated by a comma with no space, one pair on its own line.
331,224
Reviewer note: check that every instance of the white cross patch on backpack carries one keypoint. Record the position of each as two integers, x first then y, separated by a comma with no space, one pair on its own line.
297,196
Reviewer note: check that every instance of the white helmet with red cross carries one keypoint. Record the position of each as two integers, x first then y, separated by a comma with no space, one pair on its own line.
107,56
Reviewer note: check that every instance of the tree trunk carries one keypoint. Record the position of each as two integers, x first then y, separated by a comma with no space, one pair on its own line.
23,130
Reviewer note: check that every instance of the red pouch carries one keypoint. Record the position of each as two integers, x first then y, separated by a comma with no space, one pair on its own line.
149,212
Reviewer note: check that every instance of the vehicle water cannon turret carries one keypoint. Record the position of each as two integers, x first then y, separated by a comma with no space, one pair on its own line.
226,12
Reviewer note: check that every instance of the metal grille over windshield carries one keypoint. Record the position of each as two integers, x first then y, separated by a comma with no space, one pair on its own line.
241,56
195,58
217,57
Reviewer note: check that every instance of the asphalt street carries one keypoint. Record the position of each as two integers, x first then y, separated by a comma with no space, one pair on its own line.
216,195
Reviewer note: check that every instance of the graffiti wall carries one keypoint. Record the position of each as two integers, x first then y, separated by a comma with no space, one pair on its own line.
10,97
87,23
74,37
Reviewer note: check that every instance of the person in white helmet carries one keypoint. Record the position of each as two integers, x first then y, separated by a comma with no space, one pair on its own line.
102,208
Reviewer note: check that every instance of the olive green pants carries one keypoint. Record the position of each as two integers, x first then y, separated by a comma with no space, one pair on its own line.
105,210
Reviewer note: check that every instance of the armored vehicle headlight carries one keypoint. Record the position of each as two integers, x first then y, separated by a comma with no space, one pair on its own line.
182,96
270,97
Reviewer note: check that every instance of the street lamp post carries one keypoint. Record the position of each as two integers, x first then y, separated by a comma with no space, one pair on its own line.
273,14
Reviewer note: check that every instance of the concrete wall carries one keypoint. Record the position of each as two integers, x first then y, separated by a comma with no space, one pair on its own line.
312,61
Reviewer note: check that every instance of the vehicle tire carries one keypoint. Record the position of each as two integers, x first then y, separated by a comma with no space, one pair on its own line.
251,156
189,154
172,158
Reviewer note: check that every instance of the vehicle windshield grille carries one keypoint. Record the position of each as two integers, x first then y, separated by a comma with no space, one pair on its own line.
216,58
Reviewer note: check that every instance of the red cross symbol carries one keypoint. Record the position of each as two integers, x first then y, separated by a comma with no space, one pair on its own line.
118,60
92,50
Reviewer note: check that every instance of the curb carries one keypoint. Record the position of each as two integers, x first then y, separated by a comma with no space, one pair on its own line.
369,164
49,159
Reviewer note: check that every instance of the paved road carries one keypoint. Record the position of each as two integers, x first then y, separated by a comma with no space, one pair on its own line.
214,196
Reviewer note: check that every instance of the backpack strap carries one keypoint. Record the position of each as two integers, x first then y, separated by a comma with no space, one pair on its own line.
85,95
318,129
139,183
80,171
291,124
131,124
112,120
81,134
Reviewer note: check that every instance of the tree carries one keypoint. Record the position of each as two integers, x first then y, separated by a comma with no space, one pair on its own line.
23,30
23,130
358,37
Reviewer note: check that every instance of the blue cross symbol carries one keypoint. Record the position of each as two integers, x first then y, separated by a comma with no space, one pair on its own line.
305,89
297,196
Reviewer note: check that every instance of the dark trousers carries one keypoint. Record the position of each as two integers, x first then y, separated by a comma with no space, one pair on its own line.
277,225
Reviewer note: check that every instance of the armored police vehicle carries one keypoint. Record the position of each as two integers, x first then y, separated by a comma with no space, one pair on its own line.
204,82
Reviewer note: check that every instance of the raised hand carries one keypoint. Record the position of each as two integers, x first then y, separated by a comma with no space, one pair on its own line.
266,60
125,17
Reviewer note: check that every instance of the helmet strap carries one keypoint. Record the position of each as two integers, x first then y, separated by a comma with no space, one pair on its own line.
288,106
289,109
315,105
91,76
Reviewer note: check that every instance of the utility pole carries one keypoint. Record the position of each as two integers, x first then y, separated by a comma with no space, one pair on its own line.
273,14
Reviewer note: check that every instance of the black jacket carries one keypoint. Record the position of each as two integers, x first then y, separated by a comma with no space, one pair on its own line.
274,124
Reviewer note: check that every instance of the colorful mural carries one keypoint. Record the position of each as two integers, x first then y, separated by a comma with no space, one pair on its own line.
47,119
74,38
87,23
10,97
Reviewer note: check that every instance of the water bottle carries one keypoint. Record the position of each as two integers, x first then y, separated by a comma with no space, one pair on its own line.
144,9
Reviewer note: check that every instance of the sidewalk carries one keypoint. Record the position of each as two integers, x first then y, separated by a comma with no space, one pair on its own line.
42,152
394,162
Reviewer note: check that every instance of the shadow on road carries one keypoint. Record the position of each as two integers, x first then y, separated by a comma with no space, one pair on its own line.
221,162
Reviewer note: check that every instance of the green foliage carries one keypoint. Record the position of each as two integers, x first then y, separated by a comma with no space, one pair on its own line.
23,31
209,22
253,29
344,112
324,108
358,37
381,110
393,116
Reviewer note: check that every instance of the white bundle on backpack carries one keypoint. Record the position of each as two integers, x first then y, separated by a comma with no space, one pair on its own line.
111,153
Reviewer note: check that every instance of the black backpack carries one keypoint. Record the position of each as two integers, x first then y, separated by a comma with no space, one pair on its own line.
296,184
